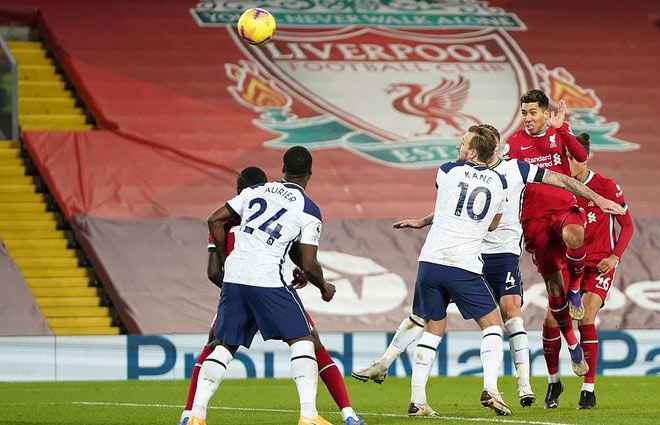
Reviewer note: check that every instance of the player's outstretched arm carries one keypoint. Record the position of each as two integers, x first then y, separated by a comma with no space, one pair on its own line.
414,223
216,222
495,222
560,180
314,272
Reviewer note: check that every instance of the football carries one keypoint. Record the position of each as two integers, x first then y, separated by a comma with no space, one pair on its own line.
256,26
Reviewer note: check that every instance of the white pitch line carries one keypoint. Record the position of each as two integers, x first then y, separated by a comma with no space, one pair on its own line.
257,409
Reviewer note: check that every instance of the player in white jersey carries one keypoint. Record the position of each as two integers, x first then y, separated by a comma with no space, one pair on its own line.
469,203
500,252
255,296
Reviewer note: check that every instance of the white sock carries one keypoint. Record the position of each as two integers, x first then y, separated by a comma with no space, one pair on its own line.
408,331
348,412
491,356
423,358
519,346
304,370
588,387
185,414
210,376
553,378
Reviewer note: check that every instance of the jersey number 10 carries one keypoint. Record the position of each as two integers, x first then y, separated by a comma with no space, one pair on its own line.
470,201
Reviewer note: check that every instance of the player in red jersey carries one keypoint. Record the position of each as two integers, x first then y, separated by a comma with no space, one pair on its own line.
553,225
328,370
604,252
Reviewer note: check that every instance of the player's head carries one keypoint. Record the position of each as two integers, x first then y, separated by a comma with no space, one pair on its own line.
297,164
578,168
495,133
534,108
249,177
477,144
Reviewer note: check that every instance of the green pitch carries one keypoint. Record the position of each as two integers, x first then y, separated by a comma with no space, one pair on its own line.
274,401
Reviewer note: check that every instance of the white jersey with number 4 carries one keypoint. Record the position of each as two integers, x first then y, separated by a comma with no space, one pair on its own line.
273,216
469,197
507,238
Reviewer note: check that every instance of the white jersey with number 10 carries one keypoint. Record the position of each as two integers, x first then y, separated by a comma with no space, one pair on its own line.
273,216
469,197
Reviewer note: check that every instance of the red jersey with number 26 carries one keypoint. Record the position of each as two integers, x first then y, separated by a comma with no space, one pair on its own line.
600,238
546,150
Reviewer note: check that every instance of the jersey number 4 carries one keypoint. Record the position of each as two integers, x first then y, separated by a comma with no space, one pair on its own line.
470,201
273,232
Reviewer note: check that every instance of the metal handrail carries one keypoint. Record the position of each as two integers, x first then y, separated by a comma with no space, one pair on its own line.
13,130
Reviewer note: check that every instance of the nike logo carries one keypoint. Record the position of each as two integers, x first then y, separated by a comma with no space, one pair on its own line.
524,148
506,288
521,349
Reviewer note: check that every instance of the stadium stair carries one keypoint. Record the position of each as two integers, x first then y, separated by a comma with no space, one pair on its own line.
31,232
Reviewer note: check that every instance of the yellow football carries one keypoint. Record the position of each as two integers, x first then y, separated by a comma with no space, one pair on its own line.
256,26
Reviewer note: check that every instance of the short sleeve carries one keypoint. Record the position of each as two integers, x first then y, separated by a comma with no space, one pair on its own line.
311,230
237,204
530,173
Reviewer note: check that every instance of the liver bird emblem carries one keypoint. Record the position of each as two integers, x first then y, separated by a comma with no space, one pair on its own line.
442,103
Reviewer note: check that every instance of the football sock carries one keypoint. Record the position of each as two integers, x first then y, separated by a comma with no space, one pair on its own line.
575,263
304,370
589,343
332,379
423,356
409,330
211,373
559,309
519,346
551,348
491,356
192,388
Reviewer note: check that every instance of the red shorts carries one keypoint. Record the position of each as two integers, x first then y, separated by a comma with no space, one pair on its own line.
592,281
543,238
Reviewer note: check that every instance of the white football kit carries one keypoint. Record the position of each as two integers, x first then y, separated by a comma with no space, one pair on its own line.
273,216
469,197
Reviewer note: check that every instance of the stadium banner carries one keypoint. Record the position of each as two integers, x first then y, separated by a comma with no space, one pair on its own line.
70,358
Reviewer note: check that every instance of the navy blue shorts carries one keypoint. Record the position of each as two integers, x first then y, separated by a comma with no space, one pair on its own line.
438,284
502,273
243,310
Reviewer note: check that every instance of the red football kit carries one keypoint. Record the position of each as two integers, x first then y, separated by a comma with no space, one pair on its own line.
600,237
547,209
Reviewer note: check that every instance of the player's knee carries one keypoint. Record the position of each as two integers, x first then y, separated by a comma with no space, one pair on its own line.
549,320
573,236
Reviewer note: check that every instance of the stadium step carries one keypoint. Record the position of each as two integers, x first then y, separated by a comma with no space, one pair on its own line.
54,272
79,322
57,282
66,291
41,119
20,197
31,234
50,262
11,170
56,126
38,73
86,331
28,224
17,253
52,243
75,312
49,105
26,215
17,44
21,206
45,89
9,153
68,301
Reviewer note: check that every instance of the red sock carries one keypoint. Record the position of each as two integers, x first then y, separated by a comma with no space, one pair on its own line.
589,343
551,347
192,388
332,378
559,309
575,261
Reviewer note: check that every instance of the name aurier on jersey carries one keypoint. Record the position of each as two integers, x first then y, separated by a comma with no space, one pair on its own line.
286,194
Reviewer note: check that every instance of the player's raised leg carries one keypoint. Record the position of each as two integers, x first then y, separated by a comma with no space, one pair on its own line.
572,234
408,331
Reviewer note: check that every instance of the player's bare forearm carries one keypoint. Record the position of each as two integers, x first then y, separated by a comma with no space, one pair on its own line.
295,255
214,269
414,224
563,181
216,223
496,222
